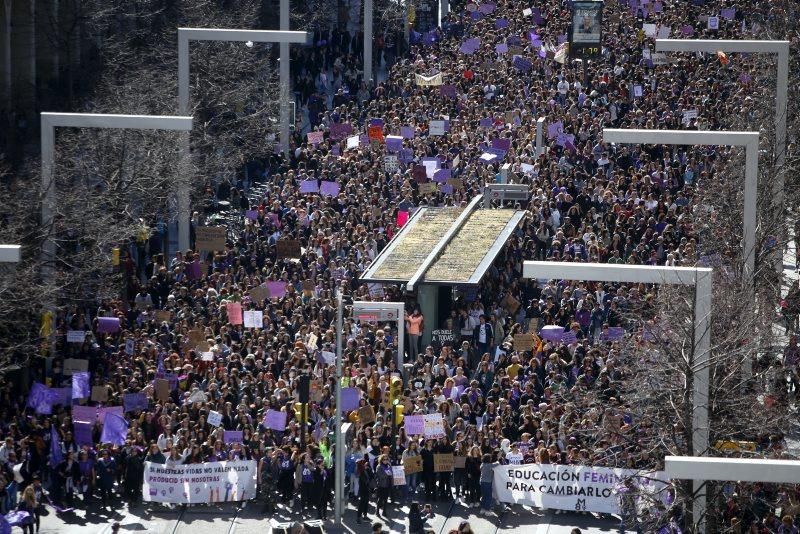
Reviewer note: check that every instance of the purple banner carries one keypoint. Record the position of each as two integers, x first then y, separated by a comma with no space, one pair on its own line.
232,436
83,433
81,388
309,186
415,424
329,188
115,430
407,132
108,325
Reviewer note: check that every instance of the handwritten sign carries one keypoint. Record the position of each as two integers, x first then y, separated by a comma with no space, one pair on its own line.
214,418
412,464
275,420
253,319
443,463
210,238
366,415
434,426
524,342
288,248
76,336
75,365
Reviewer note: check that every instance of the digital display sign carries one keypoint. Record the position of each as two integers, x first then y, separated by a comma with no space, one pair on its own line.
586,30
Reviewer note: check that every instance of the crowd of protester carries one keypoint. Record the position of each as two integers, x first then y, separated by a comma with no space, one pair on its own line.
590,202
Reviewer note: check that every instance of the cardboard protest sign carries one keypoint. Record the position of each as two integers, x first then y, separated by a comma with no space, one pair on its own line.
455,183
366,415
510,303
163,315
210,238
412,464
161,388
524,342
428,81
258,294
100,393
443,463
288,248
427,188
375,133
75,365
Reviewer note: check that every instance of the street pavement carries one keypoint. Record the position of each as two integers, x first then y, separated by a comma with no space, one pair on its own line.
250,519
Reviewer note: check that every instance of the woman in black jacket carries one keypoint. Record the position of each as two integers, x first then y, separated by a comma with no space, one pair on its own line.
365,477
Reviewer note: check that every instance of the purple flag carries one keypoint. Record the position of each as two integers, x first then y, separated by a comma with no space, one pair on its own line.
102,413
80,385
39,399
309,186
487,9
252,214
275,420
500,48
17,518
134,401
329,188
501,23
108,325
55,448
115,430
84,414
554,128
350,398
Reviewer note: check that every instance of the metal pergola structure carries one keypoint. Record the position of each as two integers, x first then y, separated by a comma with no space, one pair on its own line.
698,277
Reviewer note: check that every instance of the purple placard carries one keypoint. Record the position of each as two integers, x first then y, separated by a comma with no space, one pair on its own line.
62,396
277,288
514,40
415,424
252,214
687,30
728,13
363,140
487,9
309,186
193,270
394,143
350,398
561,39
108,325
134,401
552,332
500,48
232,436
405,155
447,189
442,175
522,64
329,189
448,91
501,23
407,132
502,143
275,420
340,131
486,122
376,122
81,387
569,337
82,433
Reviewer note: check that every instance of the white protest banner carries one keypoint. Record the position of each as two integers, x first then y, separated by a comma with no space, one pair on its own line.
436,128
198,396
76,336
352,142
214,418
200,483
398,475
571,487
514,459
436,79
434,426
253,319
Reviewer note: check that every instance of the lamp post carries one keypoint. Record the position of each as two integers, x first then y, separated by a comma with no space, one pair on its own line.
185,35
700,279
779,48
